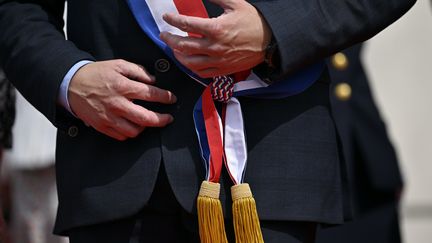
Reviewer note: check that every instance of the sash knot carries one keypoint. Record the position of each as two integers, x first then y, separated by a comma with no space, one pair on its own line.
222,88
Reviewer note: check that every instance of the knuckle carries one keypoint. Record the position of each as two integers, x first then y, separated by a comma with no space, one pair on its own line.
181,45
140,70
184,24
152,93
217,29
119,84
142,119
117,108
120,64
216,49
103,120
143,89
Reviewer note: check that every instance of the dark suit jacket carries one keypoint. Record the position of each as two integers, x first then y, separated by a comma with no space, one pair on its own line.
370,155
375,178
293,168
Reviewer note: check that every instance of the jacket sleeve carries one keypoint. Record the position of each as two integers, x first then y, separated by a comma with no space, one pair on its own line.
309,30
34,52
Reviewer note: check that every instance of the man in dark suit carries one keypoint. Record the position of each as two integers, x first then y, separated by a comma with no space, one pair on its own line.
128,156
376,180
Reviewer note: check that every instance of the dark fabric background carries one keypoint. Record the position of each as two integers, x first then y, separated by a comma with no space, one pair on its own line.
7,111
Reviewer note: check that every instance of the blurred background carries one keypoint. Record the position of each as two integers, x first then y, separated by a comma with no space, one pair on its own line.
398,62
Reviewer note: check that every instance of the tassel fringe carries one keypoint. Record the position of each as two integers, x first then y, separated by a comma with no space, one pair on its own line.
210,215
245,217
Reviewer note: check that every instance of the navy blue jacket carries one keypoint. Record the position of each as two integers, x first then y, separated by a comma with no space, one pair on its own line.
363,132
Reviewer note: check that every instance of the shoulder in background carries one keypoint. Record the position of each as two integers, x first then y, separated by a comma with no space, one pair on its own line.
7,111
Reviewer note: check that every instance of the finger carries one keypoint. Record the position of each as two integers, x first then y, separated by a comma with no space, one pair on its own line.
191,24
140,91
146,118
198,62
104,126
134,71
111,132
186,45
125,127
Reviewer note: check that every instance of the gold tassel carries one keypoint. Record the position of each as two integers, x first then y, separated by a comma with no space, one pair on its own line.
210,215
246,222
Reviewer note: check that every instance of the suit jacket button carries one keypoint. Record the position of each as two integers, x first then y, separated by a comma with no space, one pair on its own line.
343,91
73,131
162,65
340,61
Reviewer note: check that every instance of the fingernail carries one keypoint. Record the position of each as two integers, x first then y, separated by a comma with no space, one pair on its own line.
171,119
152,78
173,98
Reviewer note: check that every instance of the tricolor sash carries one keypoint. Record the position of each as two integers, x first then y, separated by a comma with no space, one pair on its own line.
219,127
148,14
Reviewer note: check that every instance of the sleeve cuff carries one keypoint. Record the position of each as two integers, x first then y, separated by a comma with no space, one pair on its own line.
63,98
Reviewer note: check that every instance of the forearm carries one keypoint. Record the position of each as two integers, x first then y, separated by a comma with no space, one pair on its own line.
34,52
309,30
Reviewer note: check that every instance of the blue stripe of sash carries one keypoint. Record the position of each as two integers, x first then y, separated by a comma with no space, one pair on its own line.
202,134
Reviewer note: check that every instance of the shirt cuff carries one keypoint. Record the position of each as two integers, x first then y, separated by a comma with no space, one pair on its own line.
63,98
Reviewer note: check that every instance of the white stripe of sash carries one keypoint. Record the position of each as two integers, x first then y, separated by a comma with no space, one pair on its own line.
235,140
160,7
252,82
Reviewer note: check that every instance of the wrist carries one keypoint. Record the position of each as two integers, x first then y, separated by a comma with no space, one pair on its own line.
268,41
63,97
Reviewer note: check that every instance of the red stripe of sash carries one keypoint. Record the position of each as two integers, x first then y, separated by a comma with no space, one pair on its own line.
211,120
194,8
